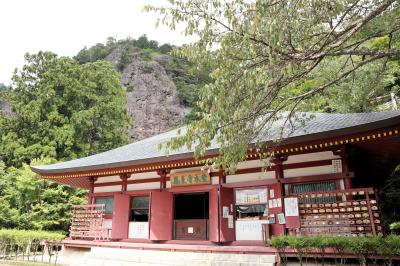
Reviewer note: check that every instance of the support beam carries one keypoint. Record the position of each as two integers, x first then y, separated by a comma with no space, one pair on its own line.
92,180
343,152
124,178
278,161
163,175
221,176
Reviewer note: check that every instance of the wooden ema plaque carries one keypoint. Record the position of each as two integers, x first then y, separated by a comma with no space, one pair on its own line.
87,222
353,212
190,179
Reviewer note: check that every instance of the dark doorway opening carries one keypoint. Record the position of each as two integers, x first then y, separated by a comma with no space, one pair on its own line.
191,216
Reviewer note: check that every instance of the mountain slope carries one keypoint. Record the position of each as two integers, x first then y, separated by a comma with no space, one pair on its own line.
161,89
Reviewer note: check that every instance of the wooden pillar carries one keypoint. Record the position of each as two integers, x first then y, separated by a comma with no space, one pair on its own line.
163,175
343,152
221,176
92,180
124,178
278,229
278,164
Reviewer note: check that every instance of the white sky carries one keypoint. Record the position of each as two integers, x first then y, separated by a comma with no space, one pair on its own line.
66,26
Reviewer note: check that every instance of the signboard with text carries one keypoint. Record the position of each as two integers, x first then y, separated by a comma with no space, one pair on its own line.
190,178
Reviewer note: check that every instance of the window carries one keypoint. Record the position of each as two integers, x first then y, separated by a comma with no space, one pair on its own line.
314,187
109,202
139,209
251,203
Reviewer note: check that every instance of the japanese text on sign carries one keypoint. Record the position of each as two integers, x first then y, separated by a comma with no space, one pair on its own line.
190,178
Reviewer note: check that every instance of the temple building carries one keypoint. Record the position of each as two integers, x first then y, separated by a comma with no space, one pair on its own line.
322,180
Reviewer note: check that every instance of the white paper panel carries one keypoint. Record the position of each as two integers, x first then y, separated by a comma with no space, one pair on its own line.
139,230
249,230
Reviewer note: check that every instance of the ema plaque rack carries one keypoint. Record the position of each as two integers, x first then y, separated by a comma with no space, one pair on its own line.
87,222
352,212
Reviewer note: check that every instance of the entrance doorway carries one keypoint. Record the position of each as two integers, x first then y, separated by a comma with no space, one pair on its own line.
191,216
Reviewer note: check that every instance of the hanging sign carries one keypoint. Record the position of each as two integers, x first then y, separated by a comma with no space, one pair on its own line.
190,178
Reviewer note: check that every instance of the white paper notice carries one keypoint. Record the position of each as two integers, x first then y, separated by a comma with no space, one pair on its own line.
225,212
279,202
272,193
291,207
190,230
230,221
336,166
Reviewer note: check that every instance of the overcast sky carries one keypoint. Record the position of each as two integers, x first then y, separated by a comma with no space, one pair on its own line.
66,26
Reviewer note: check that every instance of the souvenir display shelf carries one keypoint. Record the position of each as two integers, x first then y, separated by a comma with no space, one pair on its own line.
353,212
251,196
253,199
251,214
87,222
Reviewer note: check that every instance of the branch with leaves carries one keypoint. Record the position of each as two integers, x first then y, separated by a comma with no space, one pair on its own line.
272,56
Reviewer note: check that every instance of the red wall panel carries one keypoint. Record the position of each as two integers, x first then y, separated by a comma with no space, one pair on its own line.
277,229
120,220
161,215
213,215
226,199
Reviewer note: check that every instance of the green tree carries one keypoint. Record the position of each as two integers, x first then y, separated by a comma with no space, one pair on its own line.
95,53
30,203
63,110
270,56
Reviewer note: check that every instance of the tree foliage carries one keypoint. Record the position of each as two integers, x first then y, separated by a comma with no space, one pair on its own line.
271,56
63,110
30,203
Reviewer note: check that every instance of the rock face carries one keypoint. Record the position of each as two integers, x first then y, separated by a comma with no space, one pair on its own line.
152,97
4,106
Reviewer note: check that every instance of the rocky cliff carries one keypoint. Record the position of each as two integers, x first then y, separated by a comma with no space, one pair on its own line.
152,95
4,106
152,99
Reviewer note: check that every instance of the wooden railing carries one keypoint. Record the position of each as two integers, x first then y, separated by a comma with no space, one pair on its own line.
347,212
88,222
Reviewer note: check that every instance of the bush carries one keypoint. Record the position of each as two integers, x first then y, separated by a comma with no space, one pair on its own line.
384,248
24,242
280,243
394,226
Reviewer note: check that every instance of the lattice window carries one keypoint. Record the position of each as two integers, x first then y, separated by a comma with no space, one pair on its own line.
314,187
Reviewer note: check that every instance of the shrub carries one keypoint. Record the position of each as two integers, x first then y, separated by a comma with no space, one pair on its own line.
395,226
280,243
24,242
363,247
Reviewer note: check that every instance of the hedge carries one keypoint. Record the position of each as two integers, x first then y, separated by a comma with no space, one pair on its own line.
365,248
16,243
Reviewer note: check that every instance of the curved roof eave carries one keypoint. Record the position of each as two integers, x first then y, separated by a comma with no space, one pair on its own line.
144,152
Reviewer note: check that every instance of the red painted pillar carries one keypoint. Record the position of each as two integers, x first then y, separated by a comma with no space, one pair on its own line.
163,175
279,229
124,178
92,180
221,176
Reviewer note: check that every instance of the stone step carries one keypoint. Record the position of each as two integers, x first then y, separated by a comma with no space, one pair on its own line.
121,257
